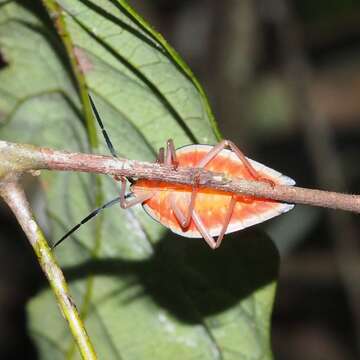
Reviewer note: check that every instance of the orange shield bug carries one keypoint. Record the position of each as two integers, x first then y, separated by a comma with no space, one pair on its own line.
191,211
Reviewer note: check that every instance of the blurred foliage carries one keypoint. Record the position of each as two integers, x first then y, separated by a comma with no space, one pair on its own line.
325,10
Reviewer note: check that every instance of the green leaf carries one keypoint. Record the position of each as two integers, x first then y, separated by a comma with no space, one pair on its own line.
145,293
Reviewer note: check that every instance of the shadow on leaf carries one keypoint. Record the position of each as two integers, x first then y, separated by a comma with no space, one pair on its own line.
191,281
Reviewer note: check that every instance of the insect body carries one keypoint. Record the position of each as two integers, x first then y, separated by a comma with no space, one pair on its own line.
207,213
191,211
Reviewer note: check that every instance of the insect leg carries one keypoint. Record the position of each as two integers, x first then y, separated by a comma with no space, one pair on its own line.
203,231
86,219
251,170
105,134
180,217
201,227
170,158
183,220
161,156
226,221
124,203
229,144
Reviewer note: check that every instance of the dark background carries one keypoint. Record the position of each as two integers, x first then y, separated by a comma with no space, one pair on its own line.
283,78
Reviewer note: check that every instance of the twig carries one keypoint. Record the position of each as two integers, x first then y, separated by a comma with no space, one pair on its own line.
15,197
20,158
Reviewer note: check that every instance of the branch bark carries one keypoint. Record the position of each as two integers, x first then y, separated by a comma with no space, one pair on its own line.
18,158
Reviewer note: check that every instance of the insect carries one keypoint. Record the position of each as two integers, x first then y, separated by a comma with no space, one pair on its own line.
191,211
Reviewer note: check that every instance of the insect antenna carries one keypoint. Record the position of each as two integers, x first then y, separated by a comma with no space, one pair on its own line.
105,134
108,204
86,219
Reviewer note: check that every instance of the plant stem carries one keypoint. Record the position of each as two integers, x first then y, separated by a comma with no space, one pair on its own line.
20,158
15,197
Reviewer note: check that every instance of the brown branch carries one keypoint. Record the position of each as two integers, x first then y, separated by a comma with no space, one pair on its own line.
20,158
